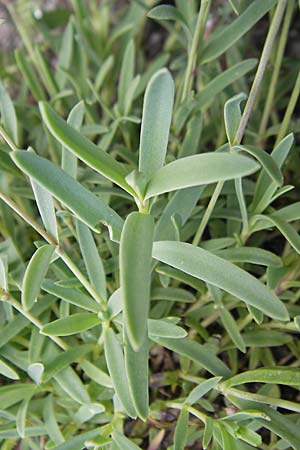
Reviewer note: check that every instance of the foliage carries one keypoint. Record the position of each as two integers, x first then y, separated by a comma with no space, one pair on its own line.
149,254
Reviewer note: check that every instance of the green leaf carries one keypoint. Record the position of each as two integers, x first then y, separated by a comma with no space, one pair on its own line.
84,149
21,418
92,260
232,329
50,421
116,366
12,394
208,432
73,296
203,388
168,12
136,364
8,371
199,170
46,208
64,360
8,114
265,160
220,273
156,120
126,74
265,188
4,272
196,352
35,371
251,255
68,160
228,441
181,430
122,442
29,75
87,412
78,442
83,203
70,382
73,324
232,116
165,329
96,374
135,275
35,274
222,41
289,376
172,294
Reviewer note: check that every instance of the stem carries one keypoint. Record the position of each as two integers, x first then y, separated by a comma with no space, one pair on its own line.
248,108
48,238
7,139
276,70
208,212
261,69
15,304
192,59
262,399
289,111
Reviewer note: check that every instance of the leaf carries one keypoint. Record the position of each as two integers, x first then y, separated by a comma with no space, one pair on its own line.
29,75
136,364
285,228
203,388
46,208
156,120
35,274
228,441
208,432
78,442
196,352
12,394
68,160
116,366
92,260
251,255
83,203
232,329
220,273
181,430
265,188
126,74
84,149
232,116
122,442
96,374
172,294
199,170
289,376
4,272
168,12
8,371
230,34
21,418
73,296
8,114
87,412
35,371
265,160
51,425
76,323
135,275
220,82
235,6
70,382
165,329
64,360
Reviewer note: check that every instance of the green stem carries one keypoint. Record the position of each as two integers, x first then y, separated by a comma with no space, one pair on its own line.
261,399
7,139
289,111
13,302
248,108
276,69
192,58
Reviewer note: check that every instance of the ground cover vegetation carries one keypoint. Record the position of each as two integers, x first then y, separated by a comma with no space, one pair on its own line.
149,222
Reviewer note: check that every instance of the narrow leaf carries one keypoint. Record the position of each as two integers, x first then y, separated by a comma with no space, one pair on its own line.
8,114
181,430
69,160
232,329
220,273
46,208
116,366
199,170
50,421
230,34
203,388
73,324
232,116
251,255
8,371
126,74
156,120
84,149
35,274
83,203
289,376
163,328
123,443
135,275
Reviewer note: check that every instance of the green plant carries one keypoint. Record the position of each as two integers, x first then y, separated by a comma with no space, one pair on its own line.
123,242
